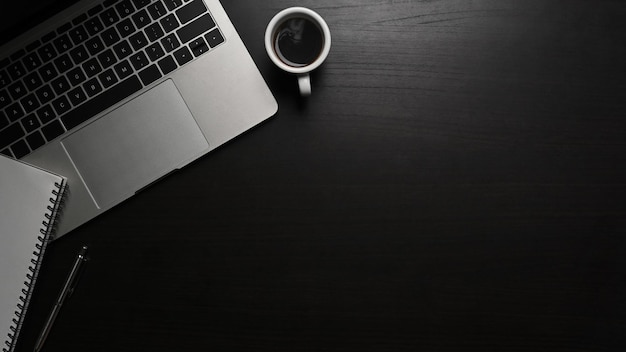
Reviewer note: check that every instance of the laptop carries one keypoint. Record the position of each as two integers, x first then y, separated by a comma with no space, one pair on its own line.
117,94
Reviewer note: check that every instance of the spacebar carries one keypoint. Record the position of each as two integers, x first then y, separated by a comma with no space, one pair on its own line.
101,102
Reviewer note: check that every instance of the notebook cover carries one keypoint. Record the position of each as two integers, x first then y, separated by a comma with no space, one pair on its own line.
30,201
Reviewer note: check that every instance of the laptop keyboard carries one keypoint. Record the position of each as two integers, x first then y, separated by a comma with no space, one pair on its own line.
93,62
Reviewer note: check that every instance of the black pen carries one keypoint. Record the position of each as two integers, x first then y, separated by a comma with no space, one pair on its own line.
66,291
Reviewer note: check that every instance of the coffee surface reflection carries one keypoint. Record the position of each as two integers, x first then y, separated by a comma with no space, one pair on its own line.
298,42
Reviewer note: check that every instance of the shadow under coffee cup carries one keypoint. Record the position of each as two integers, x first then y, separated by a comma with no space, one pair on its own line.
298,41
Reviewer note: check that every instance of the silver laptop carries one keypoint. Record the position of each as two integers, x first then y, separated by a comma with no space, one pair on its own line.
115,95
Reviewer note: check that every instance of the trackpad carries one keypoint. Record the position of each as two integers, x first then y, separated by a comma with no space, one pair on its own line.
135,144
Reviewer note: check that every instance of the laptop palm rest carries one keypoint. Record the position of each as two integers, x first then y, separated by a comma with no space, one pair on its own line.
135,144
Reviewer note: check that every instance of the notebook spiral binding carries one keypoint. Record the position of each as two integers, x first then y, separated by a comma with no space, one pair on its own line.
46,234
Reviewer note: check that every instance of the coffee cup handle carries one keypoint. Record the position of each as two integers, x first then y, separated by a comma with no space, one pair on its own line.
304,82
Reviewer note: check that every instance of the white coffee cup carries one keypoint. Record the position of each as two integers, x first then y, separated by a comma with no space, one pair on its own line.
297,40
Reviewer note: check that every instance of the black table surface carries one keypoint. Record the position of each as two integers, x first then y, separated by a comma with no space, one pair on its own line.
457,181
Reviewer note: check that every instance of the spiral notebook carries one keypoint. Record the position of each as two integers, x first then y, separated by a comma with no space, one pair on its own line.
30,200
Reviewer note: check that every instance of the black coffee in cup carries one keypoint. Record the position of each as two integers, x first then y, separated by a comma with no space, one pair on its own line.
298,41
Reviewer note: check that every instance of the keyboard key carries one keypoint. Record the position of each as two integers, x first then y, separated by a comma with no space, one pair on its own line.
52,130
64,28
141,3
32,81
46,114
122,50
107,78
101,102
35,140
76,76
17,90
155,52
198,47
61,105
141,19
92,87
139,60
79,54
20,149
77,96
110,36
150,74
190,11
79,19
167,65
107,59
109,17
16,70
172,4
32,46
62,43
170,42
195,28
14,112
78,34
123,69
45,94
94,45
138,40
30,123
30,103
48,72
11,134
7,152
169,23
182,56
47,52
4,98
124,8
4,79
48,37
94,26
92,67
95,10
60,85
4,121
154,32
63,63
31,61
125,28
157,10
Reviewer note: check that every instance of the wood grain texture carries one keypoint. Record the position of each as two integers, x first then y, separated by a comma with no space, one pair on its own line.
455,182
